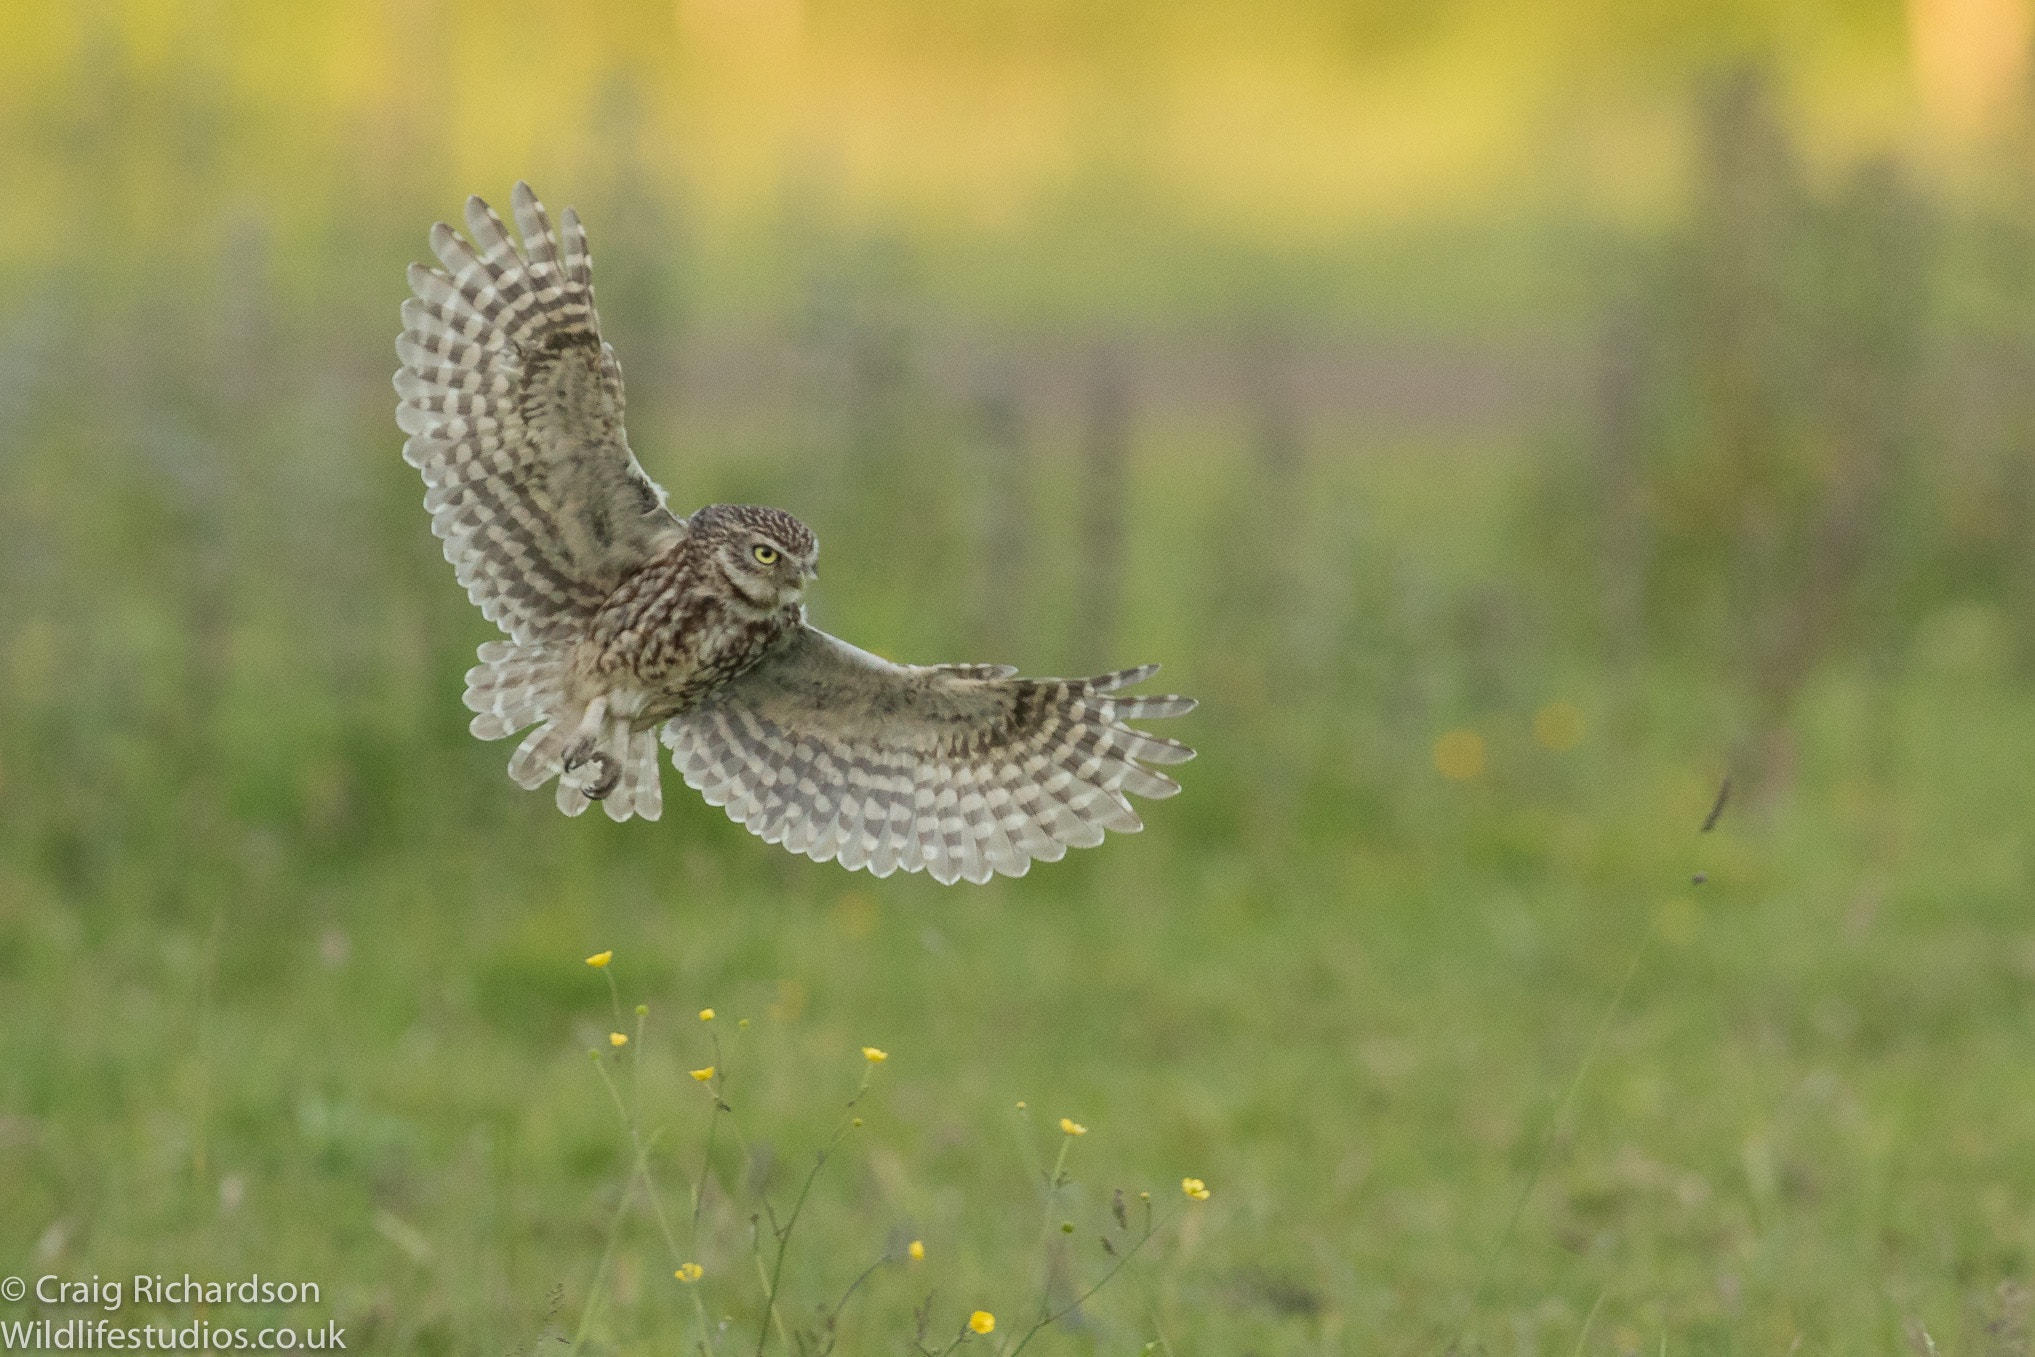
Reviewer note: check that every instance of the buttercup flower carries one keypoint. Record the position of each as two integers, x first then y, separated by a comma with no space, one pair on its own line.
618,1038
1194,1188
874,1056
689,1272
917,1251
600,959
982,1322
704,1075
706,1015
1072,1127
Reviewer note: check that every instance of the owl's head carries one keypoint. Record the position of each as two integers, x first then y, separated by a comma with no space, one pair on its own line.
766,554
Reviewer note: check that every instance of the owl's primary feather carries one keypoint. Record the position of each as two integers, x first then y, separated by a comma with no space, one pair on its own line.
624,620
514,410
960,770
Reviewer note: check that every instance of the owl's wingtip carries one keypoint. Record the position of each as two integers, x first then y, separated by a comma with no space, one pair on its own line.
1122,678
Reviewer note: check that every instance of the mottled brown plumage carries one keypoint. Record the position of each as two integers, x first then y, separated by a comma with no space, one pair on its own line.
625,621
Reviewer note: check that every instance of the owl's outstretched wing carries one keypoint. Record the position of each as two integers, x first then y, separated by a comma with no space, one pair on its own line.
514,410
959,770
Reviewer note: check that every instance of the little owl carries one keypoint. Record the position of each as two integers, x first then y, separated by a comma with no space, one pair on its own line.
626,622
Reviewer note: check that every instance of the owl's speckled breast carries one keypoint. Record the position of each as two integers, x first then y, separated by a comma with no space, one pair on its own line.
673,632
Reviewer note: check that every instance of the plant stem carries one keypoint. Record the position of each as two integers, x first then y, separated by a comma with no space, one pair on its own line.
593,1299
834,1315
1055,1317
783,1235
1553,1128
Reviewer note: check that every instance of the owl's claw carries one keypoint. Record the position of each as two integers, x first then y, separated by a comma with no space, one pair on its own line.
606,773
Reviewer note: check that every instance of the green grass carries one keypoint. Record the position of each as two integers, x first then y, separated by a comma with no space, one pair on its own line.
309,999
292,978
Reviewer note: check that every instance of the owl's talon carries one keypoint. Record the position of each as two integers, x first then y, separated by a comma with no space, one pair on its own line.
608,774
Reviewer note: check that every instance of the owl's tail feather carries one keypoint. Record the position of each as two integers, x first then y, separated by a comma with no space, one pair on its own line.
514,686
622,770
619,770
511,687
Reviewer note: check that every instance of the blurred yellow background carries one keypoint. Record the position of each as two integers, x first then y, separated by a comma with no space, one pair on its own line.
1276,122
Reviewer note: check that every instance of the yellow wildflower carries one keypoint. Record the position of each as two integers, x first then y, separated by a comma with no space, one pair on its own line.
706,1015
874,1056
600,959
1072,1127
704,1075
917,1251
1194,1188
618,1038
689,1272
982,1322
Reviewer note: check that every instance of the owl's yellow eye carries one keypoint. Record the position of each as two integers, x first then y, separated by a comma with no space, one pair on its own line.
766,555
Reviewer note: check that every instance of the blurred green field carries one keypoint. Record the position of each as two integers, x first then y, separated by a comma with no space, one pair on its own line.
1493,536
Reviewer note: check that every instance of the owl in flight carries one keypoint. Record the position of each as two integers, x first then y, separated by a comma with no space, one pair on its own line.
627,623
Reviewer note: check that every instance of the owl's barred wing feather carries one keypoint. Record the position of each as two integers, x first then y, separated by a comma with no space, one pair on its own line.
958,770
514,410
